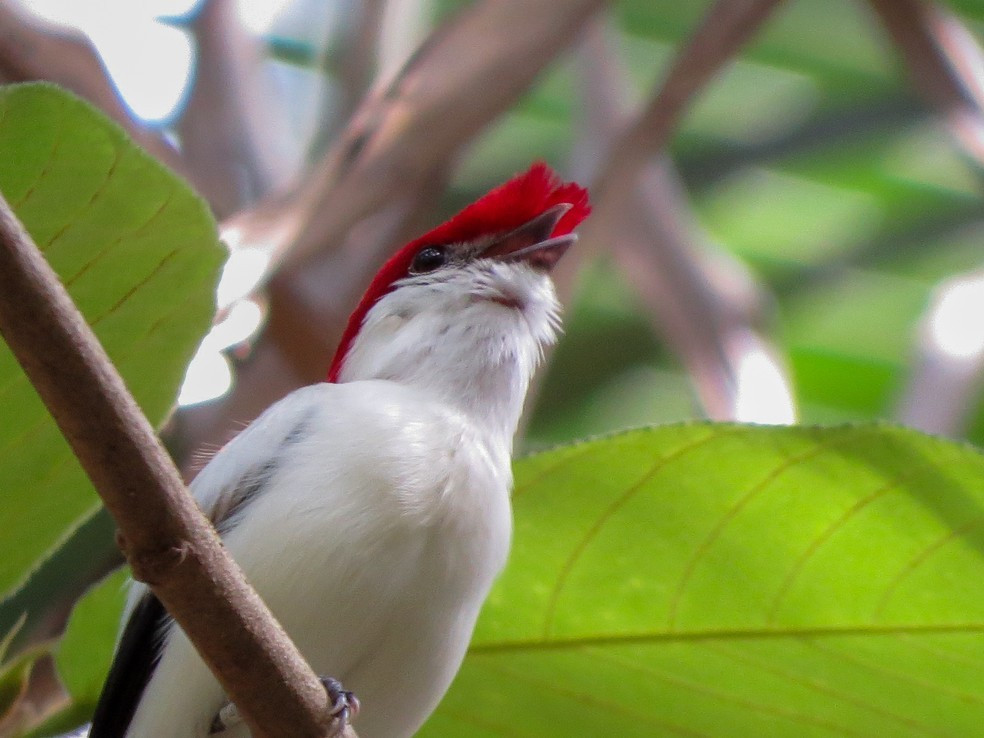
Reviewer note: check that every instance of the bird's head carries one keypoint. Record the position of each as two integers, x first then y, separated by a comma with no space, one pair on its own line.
472,296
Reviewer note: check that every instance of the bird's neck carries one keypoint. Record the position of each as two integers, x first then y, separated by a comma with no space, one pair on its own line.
481,369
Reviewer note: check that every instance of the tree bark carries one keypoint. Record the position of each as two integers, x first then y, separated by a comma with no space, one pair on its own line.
169,543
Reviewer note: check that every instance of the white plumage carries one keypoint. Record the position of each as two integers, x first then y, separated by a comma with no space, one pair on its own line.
371,513
384,517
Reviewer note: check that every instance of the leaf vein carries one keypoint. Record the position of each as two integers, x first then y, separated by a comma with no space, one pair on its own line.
720,695
900,676
608,513
591,698
22,200
820,688
921,558
662,636
827,534
731,513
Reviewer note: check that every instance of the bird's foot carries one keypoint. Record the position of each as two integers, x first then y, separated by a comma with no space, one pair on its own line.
344,704
344,707
228,717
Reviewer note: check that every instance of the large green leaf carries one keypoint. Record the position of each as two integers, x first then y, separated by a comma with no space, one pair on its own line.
727,580
139,254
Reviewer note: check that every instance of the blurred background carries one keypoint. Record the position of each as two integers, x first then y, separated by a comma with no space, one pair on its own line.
788,219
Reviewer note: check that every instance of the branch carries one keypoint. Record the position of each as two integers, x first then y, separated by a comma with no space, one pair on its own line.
726,27
227,129
944,384
168,542
946,65
460,79
705,305
353,59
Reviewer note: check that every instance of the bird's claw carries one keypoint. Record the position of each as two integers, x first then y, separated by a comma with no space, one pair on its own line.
226,718
344,707
344,704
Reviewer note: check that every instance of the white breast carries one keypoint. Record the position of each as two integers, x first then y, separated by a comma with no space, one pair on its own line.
374,542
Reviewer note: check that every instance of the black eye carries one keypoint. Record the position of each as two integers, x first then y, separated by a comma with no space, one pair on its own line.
428,259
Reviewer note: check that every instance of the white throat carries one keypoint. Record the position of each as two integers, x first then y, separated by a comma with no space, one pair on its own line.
470,336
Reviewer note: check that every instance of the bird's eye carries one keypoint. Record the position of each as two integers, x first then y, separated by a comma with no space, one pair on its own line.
428,259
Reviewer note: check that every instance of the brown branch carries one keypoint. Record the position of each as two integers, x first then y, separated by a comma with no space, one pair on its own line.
944,62
42,695
704,304
32,49
460,79
226,128
726,27
402,27
943,389
356,55
167,540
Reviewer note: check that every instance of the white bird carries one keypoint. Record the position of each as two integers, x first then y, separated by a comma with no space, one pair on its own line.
371,512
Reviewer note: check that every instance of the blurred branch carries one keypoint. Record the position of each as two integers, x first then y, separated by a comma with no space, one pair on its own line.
705,304
169,543
404,25
948,368
716,41
33,49
460,79
225,130
945,63
42,695
330,234
357,57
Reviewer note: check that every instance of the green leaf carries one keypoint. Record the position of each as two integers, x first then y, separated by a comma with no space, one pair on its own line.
85,653
727,580
56,584
139,254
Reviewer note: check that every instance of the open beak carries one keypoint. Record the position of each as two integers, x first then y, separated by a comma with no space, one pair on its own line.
531,242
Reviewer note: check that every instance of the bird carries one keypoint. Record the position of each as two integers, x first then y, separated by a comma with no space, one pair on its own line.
371,510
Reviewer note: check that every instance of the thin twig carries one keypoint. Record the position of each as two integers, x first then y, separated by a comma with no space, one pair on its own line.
726,27
704,303
169,543
943,389
945,63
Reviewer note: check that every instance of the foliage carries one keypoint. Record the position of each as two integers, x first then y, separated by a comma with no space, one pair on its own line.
731,580
138,254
